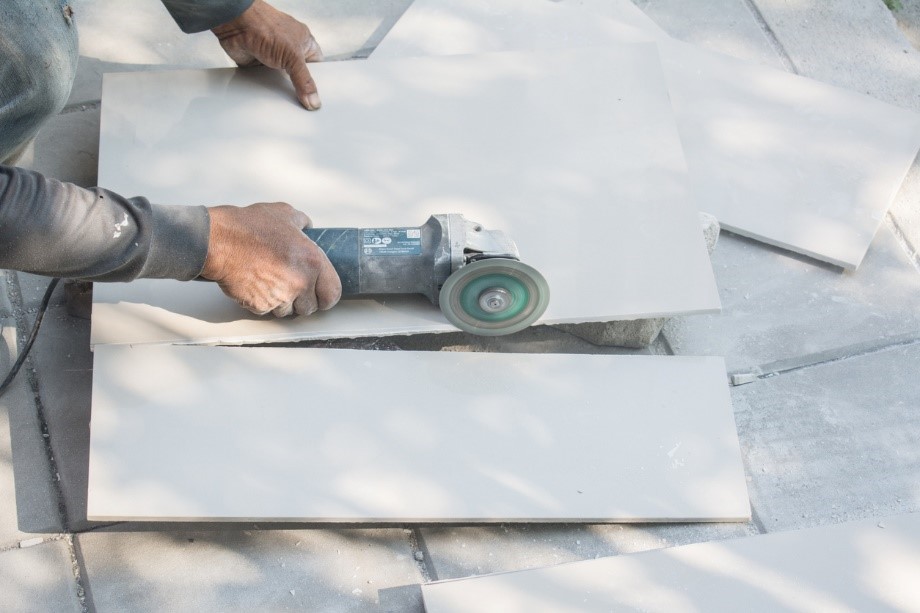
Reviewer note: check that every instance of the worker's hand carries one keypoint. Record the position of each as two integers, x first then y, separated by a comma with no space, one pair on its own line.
265,35
261,258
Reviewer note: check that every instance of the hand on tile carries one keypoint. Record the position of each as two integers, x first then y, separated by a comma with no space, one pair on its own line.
265,35
261,258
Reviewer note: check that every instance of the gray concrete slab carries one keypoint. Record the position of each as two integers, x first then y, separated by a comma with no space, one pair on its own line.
6,307
38,579
727,26
834,442
67,147
251,570
776,306
28,499
463,551
31,290
63,364
853,44
401,599
907,14
857,45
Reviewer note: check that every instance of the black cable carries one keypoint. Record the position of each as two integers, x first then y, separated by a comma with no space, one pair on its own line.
28,346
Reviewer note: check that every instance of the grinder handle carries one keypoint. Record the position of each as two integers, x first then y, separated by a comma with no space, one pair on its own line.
341,246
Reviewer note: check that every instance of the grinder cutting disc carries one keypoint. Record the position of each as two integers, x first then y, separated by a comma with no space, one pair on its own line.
493,297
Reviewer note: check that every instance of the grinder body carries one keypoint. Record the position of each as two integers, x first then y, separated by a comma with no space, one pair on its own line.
489,291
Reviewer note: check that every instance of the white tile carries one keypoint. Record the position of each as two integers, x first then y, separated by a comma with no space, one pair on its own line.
786,160
229,433
448,27
587,176
863,566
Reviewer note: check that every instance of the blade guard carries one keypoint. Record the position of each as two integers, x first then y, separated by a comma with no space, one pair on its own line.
494,297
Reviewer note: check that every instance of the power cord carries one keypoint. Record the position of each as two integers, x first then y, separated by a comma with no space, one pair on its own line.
34,333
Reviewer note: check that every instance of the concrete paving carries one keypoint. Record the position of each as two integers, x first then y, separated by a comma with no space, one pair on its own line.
776,306
826,419
857,45
245,570
39,578
833,442
907,14
727,26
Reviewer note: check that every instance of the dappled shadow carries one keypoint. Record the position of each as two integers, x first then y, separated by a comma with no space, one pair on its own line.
369,161
839,568
349,447
191,568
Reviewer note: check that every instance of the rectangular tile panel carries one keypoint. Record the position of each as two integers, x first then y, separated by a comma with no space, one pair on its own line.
574,154
869,565
777,157
231,433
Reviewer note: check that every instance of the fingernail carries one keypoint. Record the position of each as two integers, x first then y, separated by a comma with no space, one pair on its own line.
312,102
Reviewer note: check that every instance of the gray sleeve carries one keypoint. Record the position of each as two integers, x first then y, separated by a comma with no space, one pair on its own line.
59,229
200,15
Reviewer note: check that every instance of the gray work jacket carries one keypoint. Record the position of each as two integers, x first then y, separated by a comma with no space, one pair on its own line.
58,229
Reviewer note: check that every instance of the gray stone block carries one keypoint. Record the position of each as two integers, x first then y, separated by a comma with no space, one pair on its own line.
38,579
6,307
777,306
28,500
727,26
253,570
636,333
32,289
63,363
402,599
833,442
854,44
463,551
67,148
908,18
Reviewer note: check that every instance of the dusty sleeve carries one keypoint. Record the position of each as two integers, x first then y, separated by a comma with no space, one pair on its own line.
58,229
200,15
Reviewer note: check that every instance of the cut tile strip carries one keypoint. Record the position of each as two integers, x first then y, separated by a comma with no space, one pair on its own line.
232,433
860,566
588,179
776,157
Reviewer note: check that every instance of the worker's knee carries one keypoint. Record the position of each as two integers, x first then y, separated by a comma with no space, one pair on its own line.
38,59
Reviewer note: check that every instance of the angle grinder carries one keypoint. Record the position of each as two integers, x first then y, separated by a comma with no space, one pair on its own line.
473,274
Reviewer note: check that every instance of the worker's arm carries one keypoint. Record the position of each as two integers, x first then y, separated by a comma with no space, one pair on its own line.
252,32
258,254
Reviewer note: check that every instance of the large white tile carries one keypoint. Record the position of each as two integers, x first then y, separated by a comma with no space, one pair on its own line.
864,566
574,154
786,160
230,433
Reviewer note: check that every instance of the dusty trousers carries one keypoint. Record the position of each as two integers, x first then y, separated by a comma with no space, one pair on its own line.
38,61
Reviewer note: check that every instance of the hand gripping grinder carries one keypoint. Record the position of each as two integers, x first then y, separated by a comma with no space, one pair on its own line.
473,274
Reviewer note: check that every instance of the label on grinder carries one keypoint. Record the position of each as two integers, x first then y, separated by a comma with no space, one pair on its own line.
392,241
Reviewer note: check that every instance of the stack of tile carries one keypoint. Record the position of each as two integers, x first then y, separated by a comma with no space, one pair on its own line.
592,184
780,158
593,140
